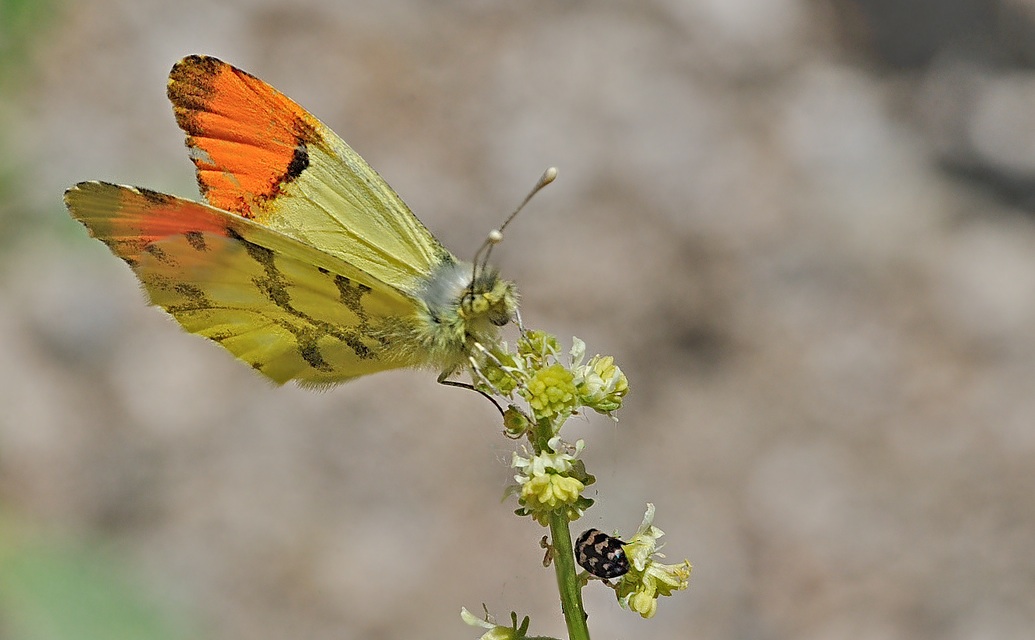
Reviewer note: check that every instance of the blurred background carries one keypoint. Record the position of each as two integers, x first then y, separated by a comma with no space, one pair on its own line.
804,228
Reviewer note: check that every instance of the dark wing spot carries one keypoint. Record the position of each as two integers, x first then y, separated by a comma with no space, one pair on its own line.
299,163
196,240
311,354
193,294
352,295
190,86
157,253
154,197
358,347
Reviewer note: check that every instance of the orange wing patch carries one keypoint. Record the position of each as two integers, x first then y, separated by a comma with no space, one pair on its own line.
288,309
130,219
261,156
247,139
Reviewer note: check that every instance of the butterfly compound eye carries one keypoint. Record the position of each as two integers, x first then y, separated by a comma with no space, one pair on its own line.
499,319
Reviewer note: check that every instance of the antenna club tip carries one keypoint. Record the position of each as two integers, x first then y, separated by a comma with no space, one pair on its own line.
549,176
495,237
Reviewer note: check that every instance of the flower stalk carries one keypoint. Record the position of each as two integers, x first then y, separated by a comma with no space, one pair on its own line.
550,479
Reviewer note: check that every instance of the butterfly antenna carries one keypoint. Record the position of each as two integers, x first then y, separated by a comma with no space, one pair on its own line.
496,235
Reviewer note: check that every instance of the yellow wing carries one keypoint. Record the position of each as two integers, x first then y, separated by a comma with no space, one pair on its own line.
260,155
287,309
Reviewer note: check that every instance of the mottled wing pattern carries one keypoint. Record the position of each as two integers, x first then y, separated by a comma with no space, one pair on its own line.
260,155
288,309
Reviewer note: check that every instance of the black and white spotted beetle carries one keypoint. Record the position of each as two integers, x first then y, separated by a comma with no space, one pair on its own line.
601,555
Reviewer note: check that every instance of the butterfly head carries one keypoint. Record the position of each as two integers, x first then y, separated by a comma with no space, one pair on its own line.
489,297
461,307
468,301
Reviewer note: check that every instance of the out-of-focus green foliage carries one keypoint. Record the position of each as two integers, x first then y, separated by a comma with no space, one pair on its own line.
58,590
53,589
20,21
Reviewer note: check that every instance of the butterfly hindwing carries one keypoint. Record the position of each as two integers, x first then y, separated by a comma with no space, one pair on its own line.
288,309
260,155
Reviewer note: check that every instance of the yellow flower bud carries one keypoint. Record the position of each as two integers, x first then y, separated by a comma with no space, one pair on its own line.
551,391
601,384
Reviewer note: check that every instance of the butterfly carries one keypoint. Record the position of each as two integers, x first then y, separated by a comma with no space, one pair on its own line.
304,264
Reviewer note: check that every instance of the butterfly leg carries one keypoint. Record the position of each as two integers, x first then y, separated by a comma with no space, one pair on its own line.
477,346
442,379
517,321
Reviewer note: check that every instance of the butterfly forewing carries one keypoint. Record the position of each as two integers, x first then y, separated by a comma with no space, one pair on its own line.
262,156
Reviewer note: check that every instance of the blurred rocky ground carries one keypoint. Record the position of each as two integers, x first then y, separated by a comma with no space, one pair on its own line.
803,227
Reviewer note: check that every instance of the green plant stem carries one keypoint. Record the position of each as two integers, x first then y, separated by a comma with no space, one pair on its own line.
567,578
563,554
